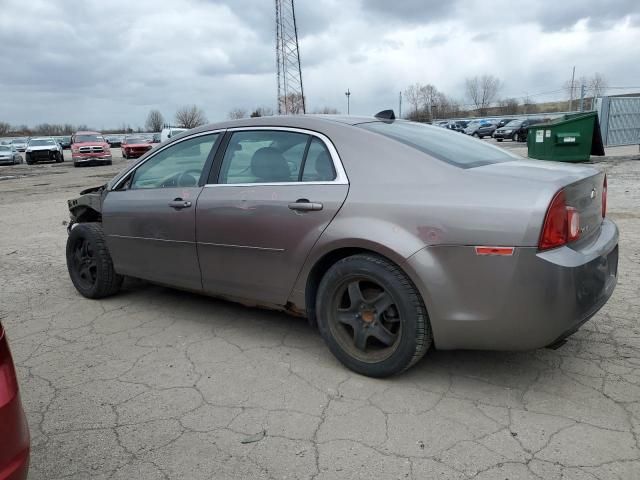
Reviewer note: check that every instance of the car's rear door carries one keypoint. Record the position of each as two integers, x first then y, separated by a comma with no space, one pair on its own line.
149,217
271,196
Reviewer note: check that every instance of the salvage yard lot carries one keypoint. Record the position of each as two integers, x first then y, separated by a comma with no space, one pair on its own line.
157,383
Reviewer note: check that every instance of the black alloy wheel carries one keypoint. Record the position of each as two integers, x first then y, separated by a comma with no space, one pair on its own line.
371,316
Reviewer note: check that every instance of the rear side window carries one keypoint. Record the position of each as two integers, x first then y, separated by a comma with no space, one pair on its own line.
442,144
275,156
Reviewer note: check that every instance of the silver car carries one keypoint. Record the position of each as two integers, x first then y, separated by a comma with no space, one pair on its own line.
391,236
43,149
9,155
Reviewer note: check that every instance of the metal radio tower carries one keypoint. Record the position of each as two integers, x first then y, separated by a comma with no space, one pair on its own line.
290,92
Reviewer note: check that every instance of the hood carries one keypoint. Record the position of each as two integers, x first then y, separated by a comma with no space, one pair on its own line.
37,148
137,145
91,144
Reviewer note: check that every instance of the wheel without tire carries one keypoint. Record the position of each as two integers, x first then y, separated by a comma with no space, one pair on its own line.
89,262
371,316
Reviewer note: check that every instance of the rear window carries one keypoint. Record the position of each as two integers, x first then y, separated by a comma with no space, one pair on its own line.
442,144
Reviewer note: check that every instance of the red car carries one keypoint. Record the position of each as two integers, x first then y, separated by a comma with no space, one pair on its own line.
134,147
14,433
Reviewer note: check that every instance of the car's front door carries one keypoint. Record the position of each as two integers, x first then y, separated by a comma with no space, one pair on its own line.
272,195
149,217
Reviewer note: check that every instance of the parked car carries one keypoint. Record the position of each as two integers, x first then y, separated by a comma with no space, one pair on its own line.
156,138
504,121
89,148
134,146
474,126
169,132
115,140
64,141
486,129
516,130
43,149
287,213
9,155
20,144
14,431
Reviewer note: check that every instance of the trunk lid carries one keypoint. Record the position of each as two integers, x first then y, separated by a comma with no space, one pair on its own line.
582,185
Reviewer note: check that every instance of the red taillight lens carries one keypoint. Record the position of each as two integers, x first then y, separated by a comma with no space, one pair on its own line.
8,381
561,224
604,197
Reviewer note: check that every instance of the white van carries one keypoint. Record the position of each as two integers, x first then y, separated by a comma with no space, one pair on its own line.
169,132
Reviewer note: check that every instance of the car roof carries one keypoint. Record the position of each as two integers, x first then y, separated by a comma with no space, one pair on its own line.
87,132
42,138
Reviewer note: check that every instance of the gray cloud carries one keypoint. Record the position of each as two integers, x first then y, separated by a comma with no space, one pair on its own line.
105,63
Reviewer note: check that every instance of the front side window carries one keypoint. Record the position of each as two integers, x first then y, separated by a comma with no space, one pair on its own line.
179,165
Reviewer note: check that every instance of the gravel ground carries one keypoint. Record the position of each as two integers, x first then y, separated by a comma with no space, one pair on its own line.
155,383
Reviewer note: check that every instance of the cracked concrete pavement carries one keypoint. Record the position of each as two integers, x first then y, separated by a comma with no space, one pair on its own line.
155,383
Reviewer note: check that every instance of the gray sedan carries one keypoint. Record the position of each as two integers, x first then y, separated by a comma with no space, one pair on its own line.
9,155
391,236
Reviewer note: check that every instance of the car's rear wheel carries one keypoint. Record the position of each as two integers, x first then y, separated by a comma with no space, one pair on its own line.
371,316
498,139
89,262
475,134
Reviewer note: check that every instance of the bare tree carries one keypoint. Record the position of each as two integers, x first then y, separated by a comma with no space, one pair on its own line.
261,112
597,85
482,91
5,128
190,116
155,121
412,96
292,103
326,111
508,106
237,114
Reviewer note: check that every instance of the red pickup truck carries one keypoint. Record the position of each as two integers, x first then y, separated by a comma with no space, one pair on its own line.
89,148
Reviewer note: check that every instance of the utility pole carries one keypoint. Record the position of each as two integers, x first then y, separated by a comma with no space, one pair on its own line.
582,93
573,75
400,106
348,94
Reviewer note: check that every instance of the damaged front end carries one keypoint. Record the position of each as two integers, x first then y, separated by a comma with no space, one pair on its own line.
87,207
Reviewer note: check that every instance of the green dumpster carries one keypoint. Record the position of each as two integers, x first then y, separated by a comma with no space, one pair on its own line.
571,138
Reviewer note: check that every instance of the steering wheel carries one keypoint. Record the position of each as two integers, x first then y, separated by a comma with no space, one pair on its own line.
178,179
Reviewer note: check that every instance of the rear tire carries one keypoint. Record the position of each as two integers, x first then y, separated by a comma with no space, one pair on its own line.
498,139
89,262
371,316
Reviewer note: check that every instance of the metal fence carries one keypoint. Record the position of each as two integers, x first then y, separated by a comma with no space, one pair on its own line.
619,120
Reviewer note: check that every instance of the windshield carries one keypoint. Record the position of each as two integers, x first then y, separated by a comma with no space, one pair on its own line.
445,145
136,140
19,140
41,142
89,138
514,123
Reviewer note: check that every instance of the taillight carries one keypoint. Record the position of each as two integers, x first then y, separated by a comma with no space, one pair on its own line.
561,224
8,381
604,197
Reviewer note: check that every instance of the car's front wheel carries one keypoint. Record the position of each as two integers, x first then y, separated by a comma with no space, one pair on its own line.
89,262
371,316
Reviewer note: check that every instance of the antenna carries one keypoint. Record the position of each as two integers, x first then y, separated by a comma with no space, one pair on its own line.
290,92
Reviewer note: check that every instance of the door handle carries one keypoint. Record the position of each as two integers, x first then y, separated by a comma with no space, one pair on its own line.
179,203
304,205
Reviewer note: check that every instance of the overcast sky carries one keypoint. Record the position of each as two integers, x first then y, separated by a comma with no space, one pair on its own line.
105,63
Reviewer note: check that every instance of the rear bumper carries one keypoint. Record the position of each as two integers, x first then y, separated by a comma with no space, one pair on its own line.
521,302
14,441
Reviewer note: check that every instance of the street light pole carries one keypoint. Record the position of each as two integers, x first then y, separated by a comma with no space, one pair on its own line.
348,94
